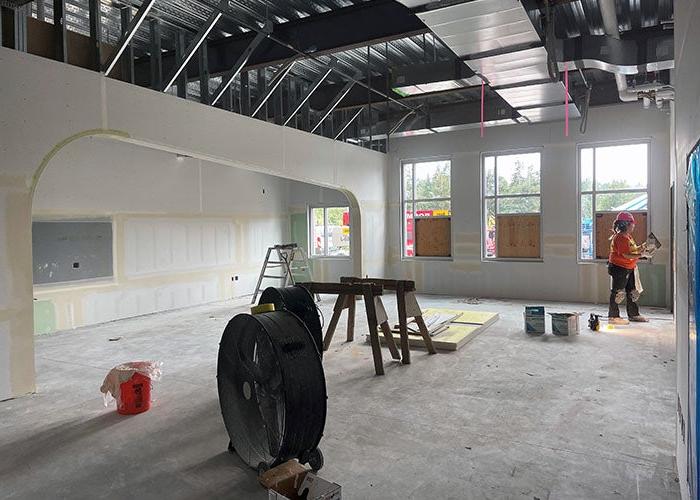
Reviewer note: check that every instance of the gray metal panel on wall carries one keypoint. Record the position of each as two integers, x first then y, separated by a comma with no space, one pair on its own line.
71,250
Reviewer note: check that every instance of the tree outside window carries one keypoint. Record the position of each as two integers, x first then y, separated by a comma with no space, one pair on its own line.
425,192
512,185
330,231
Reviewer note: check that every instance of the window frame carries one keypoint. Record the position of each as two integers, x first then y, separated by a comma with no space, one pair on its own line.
483,197
593,191
310,231
402,216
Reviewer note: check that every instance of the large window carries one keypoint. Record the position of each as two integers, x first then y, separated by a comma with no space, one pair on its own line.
330,231
426,194
612,179
511,211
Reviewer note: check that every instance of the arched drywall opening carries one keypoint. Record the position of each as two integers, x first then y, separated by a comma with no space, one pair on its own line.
155,203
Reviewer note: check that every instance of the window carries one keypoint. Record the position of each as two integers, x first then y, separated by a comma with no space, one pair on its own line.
330,234
512,204
65,251
611,179
426,194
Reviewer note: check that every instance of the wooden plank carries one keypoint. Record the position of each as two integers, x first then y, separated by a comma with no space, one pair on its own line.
387,284
341,288
518,236
433,236
603,231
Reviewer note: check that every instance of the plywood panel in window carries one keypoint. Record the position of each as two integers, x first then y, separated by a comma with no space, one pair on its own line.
433,237
518,236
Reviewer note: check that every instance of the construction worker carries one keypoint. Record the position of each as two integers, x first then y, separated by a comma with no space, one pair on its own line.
622,267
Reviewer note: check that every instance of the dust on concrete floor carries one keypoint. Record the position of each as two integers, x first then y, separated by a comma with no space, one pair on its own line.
508,416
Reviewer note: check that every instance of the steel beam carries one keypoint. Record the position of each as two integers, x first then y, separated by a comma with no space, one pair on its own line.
272,86
203,75
20,25
95,34
348,122
156,54
334,31
124,41
200,37
59,29
245,94
336,100
314,85
182,78
240,62
128,57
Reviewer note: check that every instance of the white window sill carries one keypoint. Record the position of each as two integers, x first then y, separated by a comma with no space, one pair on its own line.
534,260
444,259
331,257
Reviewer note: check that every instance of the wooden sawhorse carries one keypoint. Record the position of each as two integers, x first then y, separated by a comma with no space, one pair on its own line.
407,306
346,299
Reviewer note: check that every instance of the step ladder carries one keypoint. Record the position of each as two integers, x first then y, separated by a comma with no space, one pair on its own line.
291,260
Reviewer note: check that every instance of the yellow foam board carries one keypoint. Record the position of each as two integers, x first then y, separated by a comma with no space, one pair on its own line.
466,317
450,340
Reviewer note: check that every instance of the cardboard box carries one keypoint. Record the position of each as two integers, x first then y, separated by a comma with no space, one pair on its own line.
293,481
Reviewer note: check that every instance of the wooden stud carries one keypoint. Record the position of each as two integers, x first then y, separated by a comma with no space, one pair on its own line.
373,334
351,318
403,327
424,333
337,310
388,336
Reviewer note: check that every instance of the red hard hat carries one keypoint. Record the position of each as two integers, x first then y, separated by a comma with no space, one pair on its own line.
625,217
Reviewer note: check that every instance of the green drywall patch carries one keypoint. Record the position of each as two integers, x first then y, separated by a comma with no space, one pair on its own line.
653,278
44,317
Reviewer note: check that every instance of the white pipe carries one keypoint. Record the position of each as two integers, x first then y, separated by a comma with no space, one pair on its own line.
612,28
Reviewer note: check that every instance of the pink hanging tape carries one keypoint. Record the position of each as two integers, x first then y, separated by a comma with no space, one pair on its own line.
566,106
482,108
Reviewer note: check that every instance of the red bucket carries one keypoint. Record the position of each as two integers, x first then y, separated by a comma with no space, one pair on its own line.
135,395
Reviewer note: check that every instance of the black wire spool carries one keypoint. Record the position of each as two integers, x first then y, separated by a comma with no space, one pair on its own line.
298,300
272,390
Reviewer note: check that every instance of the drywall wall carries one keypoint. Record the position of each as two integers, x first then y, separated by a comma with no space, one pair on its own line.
47,105
686,125
466,274
186,231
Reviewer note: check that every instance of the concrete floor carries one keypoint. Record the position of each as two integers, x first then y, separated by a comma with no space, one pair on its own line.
508,416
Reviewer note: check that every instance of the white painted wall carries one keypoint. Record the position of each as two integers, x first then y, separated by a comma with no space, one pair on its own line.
183,228
47,105
687,134
466,274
